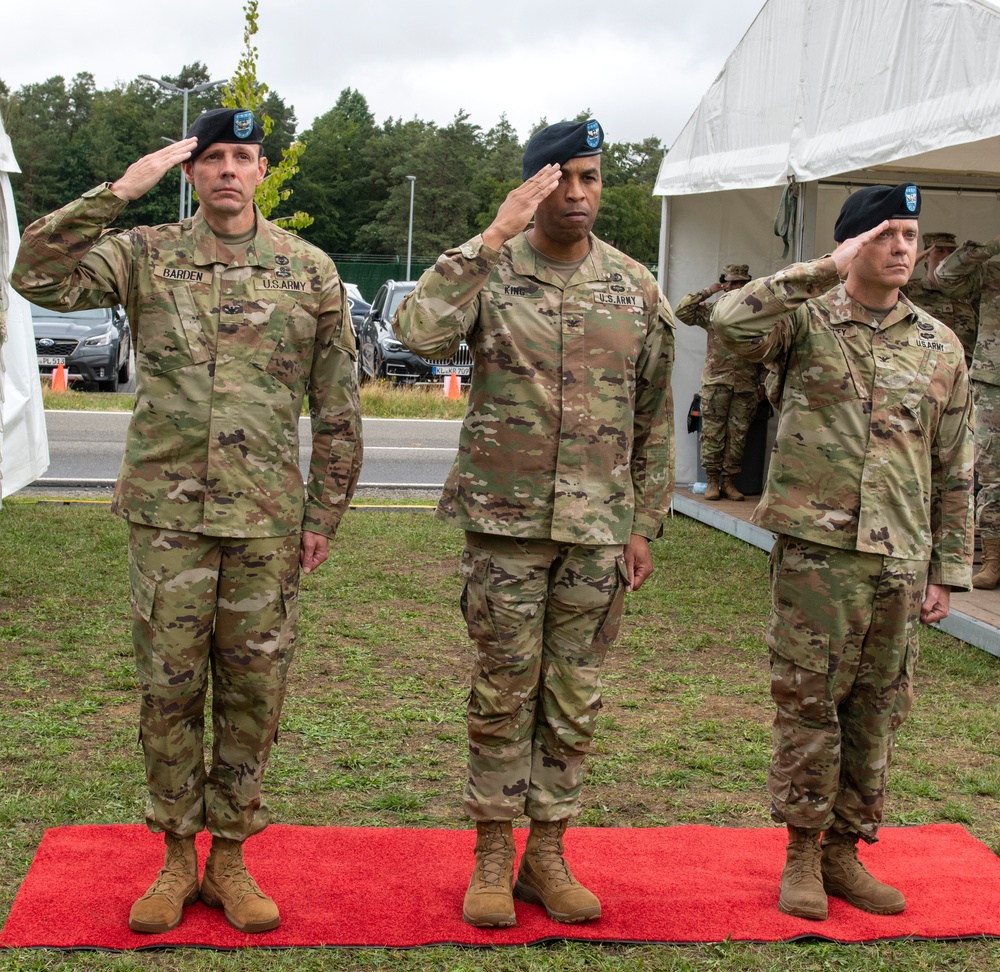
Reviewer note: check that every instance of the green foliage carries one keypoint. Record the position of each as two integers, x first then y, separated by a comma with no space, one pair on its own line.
245,91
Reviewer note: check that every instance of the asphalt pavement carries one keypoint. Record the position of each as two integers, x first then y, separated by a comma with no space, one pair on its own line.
86,449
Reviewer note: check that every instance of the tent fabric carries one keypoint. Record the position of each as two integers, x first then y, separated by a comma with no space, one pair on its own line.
821,87
24,446
830,94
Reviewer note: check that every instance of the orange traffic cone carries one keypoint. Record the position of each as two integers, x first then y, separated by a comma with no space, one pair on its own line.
452,386
59,378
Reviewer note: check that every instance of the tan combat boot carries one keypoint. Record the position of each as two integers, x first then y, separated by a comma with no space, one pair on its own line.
712,489
488,902
544,877
802,893
729,490
227,884
989,575
162,906
845,876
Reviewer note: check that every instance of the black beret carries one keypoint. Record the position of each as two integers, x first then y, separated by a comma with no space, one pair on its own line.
224,125
867,207
561,142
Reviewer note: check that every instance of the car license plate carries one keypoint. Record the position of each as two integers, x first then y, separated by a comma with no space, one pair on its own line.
50,361
463,370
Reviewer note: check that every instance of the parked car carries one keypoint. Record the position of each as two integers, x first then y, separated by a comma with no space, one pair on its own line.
381,355
93,344
359,307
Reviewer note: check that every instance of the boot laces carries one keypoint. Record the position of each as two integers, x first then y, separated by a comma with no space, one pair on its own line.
493,857
233,871
172,874
549,857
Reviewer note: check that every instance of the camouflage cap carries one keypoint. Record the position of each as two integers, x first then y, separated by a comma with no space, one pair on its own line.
561,142
224,125
939,239
865,209
733,272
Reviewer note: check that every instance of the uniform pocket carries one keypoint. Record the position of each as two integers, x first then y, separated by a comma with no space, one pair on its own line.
608,632
475,570
170,334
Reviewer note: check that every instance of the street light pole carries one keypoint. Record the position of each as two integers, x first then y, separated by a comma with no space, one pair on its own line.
185,199
409,232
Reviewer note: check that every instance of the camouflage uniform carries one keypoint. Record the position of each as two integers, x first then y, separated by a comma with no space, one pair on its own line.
728,392
967,274
566,450
226,348
869,490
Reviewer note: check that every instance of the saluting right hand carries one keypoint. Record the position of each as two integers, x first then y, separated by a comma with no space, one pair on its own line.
145,173
845,253
516,210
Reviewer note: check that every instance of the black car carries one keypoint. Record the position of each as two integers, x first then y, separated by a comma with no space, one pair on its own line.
93,344
381,355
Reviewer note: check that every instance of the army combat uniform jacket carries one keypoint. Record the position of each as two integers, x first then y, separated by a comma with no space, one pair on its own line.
225,355
874,443
569,430
722,366
967,274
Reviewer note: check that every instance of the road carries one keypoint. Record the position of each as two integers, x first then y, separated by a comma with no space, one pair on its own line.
86,448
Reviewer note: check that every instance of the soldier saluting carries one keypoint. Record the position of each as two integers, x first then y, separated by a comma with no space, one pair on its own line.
563,476
233,320
869,492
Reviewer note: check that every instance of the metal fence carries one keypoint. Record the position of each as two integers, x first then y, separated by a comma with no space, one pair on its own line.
370,270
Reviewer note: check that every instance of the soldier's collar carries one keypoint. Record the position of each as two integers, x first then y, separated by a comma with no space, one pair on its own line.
207,246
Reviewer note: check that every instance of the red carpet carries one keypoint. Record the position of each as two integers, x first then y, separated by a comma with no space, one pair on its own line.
393,887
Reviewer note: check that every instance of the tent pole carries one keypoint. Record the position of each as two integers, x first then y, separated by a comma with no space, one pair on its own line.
661,271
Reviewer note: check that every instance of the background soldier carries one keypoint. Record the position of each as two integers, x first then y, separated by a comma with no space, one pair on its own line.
869,492
960,315
728,391
233,319
560,483
969,275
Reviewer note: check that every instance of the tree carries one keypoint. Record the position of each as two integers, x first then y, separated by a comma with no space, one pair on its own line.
333,177
246,92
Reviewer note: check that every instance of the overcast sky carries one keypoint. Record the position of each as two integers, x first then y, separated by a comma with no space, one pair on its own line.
640,66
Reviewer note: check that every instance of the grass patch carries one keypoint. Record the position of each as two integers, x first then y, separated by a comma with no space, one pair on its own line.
379,399
373,731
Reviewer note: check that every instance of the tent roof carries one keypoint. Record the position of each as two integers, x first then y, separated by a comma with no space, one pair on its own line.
818,88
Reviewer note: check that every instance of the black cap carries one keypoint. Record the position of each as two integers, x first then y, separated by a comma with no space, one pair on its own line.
224,125
867,207
561,142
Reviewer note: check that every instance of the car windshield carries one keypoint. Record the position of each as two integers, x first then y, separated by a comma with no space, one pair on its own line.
87,314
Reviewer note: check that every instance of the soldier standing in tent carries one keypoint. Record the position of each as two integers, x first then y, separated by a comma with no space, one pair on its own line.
869,493
235,320
960,315
728,392
968,274
563,476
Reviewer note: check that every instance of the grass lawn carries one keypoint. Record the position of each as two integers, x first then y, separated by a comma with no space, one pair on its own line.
379,399
373,729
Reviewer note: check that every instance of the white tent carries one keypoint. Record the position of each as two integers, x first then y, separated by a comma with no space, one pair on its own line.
24,446
823,96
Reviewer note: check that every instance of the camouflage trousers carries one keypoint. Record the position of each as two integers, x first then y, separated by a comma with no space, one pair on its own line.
842,639
987,435
542,616
228,606
726,415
